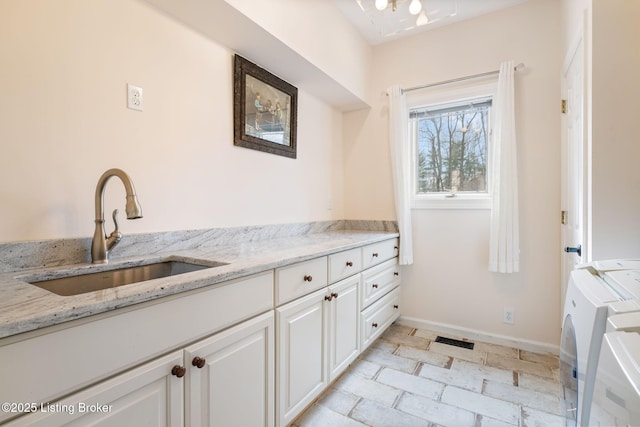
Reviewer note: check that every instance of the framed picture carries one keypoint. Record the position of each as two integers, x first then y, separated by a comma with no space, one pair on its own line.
264,110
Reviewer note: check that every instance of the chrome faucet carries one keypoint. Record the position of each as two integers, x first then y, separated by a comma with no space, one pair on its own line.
102,244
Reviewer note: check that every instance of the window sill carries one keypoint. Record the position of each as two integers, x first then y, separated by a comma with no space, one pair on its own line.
456,202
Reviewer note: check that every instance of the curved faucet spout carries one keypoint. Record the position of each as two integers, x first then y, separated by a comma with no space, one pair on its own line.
102,244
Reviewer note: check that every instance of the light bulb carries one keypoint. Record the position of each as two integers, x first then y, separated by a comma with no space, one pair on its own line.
415,7
381,4
422,19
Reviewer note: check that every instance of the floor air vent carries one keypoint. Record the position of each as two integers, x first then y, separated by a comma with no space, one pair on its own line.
456,343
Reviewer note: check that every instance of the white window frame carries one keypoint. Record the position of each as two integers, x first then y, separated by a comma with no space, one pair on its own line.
438,96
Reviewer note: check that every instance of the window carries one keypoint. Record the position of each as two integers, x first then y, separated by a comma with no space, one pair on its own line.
450,141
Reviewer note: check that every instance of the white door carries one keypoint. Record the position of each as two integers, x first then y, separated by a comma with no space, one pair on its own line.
574,171
230,378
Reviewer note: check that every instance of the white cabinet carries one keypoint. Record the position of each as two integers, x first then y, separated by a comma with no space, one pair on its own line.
147,395
318,336
220,356
85,353
224,380
230,378
379,280
344,325
62,360
301,354
300,279
378,252
344,264
321,332
379,316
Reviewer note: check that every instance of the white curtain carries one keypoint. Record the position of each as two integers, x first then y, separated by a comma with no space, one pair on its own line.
401,168
504,237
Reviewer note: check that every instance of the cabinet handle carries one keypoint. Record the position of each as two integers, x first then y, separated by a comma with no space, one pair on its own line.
328,297
375,254
334,294
178,371
375,286
395,306
349,264
395,273
198,362
375,325
308,278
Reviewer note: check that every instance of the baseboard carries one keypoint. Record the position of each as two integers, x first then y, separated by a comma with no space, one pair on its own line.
473,334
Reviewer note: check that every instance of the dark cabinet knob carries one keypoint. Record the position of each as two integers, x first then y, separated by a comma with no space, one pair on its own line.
198,362
395,273
349,264
178,371
375,254
334,294
328,297
308,278
395,306
374,286
375,325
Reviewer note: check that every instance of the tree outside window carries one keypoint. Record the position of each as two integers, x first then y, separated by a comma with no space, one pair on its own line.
451,145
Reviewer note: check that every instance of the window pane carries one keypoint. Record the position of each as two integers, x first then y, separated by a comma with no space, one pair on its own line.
452,148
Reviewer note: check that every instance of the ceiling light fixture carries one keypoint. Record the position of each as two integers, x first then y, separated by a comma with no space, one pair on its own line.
422,19
415,7
382,4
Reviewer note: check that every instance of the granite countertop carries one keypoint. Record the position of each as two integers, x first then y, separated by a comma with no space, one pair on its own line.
25,307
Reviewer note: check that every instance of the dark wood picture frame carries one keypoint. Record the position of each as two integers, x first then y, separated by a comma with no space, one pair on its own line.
265,110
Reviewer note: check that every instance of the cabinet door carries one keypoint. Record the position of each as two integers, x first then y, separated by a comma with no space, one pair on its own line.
301,355
145,396
232,381
344,316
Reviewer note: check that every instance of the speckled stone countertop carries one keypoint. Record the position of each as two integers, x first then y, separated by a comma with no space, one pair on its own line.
25,307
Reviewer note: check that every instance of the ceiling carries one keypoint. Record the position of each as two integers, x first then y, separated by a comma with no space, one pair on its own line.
383,26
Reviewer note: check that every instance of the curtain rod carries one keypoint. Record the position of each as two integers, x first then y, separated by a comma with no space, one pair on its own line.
460,79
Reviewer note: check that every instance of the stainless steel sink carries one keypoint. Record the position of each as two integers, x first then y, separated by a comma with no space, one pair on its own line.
83,283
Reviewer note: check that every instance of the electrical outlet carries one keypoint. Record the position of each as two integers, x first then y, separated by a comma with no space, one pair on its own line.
509,315
134,97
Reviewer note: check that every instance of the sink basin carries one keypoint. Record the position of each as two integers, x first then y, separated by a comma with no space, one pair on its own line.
83,283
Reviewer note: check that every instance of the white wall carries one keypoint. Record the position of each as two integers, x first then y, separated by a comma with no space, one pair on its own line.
449,282
64,121
615,141
317,30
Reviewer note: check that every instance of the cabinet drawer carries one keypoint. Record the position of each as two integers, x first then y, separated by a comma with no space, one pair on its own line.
377,318
378,280
300,279
378,252
344,264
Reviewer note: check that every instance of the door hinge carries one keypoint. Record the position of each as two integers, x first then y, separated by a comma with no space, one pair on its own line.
564,106
563,217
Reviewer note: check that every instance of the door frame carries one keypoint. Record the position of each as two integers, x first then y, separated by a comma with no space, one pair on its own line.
579,43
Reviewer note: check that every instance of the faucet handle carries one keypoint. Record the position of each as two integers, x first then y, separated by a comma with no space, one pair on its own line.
115,236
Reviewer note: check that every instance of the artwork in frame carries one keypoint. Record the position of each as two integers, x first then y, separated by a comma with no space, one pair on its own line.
264,110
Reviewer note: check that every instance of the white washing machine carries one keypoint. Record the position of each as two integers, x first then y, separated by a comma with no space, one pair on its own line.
616,392
588,304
